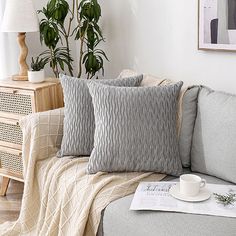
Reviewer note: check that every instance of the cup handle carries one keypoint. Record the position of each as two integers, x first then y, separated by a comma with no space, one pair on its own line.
203,183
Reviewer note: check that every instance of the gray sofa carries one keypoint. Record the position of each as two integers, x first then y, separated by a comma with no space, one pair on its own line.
118,220
207,147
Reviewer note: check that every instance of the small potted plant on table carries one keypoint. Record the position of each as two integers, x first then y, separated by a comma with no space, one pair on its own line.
36,75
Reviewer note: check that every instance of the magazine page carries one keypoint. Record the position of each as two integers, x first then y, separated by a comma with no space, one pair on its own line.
155,196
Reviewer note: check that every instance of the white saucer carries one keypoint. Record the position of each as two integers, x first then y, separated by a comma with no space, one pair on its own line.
203,195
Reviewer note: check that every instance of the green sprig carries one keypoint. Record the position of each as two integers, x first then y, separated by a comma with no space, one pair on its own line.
225,200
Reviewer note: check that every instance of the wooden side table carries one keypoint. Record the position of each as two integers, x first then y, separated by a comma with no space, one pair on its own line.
18,99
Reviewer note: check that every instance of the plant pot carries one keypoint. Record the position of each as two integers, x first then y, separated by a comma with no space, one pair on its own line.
36,76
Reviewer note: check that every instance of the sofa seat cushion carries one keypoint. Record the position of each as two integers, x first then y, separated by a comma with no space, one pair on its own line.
119,220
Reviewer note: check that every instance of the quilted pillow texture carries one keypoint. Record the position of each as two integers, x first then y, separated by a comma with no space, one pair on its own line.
135,129
214,139
189,112
79,124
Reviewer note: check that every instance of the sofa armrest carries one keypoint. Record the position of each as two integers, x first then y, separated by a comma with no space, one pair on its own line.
42,135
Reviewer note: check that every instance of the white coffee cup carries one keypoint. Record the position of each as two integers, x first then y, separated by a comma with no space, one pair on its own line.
190,184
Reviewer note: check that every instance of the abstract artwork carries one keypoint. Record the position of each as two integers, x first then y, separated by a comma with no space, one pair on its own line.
217,25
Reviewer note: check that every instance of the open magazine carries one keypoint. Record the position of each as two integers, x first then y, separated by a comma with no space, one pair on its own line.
155,196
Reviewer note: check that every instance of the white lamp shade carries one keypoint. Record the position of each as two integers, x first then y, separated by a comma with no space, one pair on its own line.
20,16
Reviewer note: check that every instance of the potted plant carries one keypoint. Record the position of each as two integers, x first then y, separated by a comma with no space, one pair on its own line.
60,23
36,75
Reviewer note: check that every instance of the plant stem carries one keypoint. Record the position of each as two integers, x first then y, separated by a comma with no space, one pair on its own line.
81,57
77,14
54,65
81,40
68,52
67,34
82,52
71,18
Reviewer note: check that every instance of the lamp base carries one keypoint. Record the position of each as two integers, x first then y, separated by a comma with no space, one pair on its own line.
20,77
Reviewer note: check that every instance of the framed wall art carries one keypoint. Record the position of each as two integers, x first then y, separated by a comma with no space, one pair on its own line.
217,25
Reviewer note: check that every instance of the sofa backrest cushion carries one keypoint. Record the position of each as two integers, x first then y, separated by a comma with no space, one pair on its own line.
214,139
188,111
136,129
79,125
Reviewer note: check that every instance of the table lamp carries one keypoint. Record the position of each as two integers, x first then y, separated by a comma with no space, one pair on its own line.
20,17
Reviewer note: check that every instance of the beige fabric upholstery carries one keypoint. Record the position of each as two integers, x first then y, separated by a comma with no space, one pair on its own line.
148,80
59,197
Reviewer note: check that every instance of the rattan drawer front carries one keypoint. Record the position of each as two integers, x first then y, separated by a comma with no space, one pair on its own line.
15,101
18,99
10,131
11,162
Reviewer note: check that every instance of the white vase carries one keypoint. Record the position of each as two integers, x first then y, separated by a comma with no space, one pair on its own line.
36,76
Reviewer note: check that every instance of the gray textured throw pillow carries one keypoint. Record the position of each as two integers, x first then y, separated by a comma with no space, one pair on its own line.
214,139
79,126
135,129
189,112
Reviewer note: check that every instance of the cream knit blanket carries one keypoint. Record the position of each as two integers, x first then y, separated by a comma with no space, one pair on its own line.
59,197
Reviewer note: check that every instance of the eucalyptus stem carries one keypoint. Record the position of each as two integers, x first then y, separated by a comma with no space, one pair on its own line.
225,200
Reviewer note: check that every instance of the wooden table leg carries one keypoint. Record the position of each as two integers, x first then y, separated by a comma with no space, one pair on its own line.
4,186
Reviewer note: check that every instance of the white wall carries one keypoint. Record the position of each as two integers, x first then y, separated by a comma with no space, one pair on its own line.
9,49
160,37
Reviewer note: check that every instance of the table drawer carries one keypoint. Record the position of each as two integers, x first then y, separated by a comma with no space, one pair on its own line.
16,101
10,133
11,161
